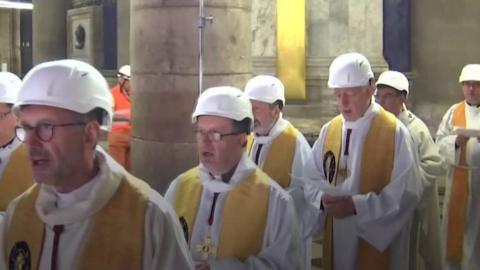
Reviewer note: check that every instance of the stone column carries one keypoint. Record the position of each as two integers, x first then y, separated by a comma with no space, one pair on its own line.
165,77
123,32
49,30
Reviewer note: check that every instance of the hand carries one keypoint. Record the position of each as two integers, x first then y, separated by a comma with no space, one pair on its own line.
461,140
338,206
202,266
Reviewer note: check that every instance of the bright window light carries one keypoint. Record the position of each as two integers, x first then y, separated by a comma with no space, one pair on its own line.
15,5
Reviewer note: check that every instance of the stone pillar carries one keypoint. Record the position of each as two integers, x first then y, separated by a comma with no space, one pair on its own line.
123,32
165,77
49,30
10,41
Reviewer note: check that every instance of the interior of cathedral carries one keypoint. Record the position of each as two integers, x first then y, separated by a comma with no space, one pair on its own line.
178,48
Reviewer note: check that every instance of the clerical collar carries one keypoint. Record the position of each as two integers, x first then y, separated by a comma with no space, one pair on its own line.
224,177
7,144
471,105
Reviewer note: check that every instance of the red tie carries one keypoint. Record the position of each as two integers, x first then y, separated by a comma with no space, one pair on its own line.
57,229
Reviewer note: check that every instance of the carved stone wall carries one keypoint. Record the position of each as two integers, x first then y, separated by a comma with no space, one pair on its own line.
333,27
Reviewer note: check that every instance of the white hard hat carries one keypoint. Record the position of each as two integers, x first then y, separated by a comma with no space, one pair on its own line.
224,101
393,79
265,88
470,72
349,70
124,72
9,86
68,84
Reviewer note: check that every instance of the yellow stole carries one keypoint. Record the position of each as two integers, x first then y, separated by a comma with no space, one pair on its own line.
279,161
457,210
378,148
247,202
16,178
116,236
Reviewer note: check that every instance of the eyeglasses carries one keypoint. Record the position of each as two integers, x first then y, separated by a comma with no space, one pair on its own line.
43,131
473,84
4,114
387,96
214,136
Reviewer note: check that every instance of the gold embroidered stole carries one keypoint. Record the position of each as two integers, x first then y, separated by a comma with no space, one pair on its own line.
457,210
115,239
24,238
17,176
378,148
279,160
248,202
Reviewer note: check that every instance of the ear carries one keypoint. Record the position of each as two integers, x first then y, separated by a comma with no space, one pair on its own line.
371,89
243,139
92,134
276,110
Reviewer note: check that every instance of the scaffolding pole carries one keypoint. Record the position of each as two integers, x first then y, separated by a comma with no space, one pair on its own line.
202,23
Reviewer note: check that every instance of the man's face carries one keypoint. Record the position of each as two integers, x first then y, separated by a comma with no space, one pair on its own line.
353,102
219,155
471,92
59,161
265,115
124,85
7,121
391,99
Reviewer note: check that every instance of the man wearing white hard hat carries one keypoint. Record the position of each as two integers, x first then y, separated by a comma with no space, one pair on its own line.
458,138
15,168
276,146
233,214
85,211
364,173
121,134
392,93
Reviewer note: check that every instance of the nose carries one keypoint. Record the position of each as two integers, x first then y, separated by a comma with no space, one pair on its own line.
344,100
203,139
31,139
379,100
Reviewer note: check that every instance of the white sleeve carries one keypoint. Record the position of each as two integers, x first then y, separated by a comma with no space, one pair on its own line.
3,228
446,138
170,193
302,152
313,217
431,162
165,246
280,250
297,186
380,217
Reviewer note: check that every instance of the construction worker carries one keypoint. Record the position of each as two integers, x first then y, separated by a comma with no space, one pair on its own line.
426,253
458,138
85,210
365,176
15,167
276,146
234,215
120,135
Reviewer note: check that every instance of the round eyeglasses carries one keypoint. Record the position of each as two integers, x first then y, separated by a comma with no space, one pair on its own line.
43,131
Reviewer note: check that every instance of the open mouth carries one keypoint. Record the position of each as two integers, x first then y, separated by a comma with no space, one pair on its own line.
207,154
39,162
